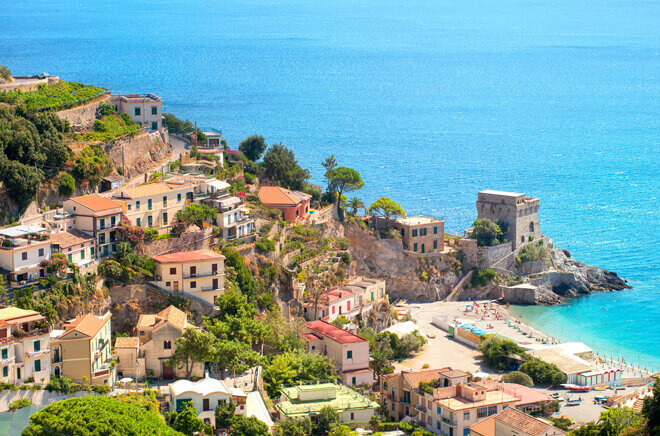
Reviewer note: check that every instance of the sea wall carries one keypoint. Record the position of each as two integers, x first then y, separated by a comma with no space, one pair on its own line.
83,116
140,153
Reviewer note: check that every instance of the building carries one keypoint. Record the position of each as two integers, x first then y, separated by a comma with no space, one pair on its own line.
154,341
77,246
348,351
293,204
82,351
331,305
98,217
22,249
24,346
199,274
308,400
233,217
513,422
520,213
365,290
400,394
146,110
155,204
213,140
529,400
567,363
452,410
205,394
113,181
421,234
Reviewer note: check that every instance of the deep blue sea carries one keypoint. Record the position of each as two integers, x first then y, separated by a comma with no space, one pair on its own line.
431,100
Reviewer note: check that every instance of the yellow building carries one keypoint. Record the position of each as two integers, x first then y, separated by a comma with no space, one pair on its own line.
98,217
82,350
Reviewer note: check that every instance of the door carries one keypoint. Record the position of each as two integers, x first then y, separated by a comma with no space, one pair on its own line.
168,372
175,286
423,248
215,284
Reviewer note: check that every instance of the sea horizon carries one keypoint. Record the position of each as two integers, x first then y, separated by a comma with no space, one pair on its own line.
430,101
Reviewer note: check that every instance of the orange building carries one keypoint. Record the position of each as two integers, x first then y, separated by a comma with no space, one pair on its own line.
293,204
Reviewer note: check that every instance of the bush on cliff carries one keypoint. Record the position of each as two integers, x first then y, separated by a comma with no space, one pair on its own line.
91,166
532,252
481,277
265,245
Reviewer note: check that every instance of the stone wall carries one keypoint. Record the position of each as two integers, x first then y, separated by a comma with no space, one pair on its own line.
139,154
83,116
185,242
483,257
526,294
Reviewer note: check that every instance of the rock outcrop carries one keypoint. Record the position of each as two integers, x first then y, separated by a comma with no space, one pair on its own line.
140,153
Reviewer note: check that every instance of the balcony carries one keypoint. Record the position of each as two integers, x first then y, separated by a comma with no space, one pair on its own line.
449,421
37,354
202,276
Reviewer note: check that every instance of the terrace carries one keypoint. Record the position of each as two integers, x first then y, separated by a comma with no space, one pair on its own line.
22,236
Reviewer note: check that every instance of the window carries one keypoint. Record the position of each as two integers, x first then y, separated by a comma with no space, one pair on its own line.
349,354
102,223
437,424
113,236
24,255
149,204
167,345
193,271
435,244
91,251
168,284
128,206
41,252
482,412
439,411
205,404
150,221
414,247
137,112
492,410
5,371
82,253
178,198
154,125
154,110
137,205
414,233
102,238
68,256
531,226
313,347
165,218
466,416
37,365
193,284
4,353
164,200
353,414
172,271
435,230
138,222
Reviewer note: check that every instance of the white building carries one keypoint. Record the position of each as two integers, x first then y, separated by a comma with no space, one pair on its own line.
24,346
205,394
22,249
146,110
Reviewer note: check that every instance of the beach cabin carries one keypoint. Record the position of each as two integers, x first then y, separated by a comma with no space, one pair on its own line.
603,376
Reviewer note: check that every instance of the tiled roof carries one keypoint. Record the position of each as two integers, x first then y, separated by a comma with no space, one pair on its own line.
311,337
127,342
274,195
526,395
11,312
333,332
188,256
152,188
174,316
88,324
522,421
453,373
69,238
147,320
96,202
484,428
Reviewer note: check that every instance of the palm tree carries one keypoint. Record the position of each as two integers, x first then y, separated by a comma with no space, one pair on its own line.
355,204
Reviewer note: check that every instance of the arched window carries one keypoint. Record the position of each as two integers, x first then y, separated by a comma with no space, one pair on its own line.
57,371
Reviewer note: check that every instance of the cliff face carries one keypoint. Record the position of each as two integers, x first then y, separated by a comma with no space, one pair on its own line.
140,153
409,276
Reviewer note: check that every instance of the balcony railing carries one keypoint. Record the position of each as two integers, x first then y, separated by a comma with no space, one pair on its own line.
448,421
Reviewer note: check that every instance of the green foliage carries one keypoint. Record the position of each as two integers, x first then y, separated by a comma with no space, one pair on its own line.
428,387
386,207
518,377
253,147
192,346
66,386
113,126
196,214
21,181
5,73
244,426
243,274
651,409
96,415
343,179
481,277
175,125
92,165
19,403
340,430
346,257
543,373
561,423
294,427
145,399
326,420
614,422
341,321
355,204
66,184
250,179
296,367
126,265
495,351
55,97
281,166
187,422
531,252
105,109
487,233
224,413
264,245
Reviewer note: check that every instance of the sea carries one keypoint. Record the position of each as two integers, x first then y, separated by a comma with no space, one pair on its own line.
430,100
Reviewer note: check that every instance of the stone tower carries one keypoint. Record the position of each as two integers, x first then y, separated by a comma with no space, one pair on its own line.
519,212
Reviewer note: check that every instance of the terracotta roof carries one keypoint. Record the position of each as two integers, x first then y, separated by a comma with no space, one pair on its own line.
96,203
454,373
188,256
127,342
526,395
152,188
174,316
311,337
147,320
340,335
415,378
69,238
274,195
88,324
522,421
485,427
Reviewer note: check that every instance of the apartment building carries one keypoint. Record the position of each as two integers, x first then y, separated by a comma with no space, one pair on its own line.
366,290
233,217
155,204
400,394
154,341
98,217
82,350
77,246
331,305
22,249
199,274
146,110
513,422
421,234
206,394
348,351
24,346
294,205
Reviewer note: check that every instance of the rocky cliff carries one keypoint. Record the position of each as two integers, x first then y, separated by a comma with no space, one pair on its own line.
140,153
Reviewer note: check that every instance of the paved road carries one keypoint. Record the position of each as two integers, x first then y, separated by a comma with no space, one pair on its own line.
178,146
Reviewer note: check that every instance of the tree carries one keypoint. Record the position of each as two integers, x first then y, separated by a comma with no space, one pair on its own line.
294,367
355,204
253,147
5,73
327,419
543,373
243,274
343,179
518,377
192,346
196,214
224,413
615,420
651,409
386,207
340,430
66,184
487,233
281,167
294,427
3,287
21,181
96,415
244,426
495,352
187,422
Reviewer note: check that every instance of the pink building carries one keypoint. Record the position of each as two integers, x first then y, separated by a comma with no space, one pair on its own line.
331,305
349,352
293,204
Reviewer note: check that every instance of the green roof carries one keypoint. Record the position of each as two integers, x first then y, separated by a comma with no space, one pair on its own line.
346,399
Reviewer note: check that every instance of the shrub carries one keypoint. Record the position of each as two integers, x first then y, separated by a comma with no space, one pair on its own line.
346,257
265,245
495,351
20,403
66,184
531,252
487,233
250,178
275,214
105,109
113,126
341,321
518,377
482,276
543,373
5,73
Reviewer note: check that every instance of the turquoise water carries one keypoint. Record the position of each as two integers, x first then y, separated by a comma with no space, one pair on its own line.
430,100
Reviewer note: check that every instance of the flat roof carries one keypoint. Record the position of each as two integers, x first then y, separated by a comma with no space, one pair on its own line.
188,256
492,398
417,220
502,193
567,363
24,230
346,399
